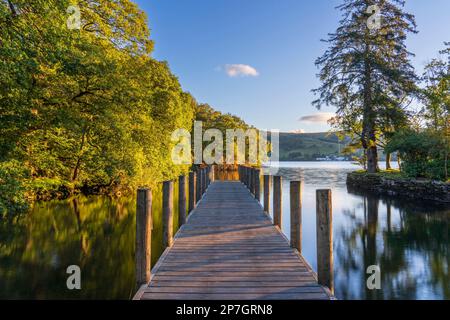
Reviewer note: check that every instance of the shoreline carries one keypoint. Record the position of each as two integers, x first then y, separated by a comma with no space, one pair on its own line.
428,190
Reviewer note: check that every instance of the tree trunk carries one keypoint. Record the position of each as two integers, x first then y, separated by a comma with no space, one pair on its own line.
11,7
388,161
372,159
80,154
368,136
446,144
446,165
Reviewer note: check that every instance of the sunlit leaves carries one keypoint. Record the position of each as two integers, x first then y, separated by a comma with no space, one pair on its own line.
89,108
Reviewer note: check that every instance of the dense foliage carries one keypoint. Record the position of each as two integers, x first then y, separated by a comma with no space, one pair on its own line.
12,187
213,119
425,147
422,153
83,109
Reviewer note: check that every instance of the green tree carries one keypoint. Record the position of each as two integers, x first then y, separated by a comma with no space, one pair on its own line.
436,99
421,152
86,109
366,73
213,119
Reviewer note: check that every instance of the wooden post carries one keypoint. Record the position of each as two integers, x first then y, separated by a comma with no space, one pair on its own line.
257,184
167,213
204,186
199,183
143,236
267,186
296,215
198,192
181,200
252,182
324,228
277,201
213,173
203,181
208,176
192,195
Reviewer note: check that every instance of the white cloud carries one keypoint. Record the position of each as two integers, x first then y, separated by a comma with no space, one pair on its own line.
298,131
240,70
318,117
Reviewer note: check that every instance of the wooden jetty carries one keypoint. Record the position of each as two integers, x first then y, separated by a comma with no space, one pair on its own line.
228,249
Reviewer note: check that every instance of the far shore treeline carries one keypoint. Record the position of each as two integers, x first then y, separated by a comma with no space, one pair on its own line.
86,110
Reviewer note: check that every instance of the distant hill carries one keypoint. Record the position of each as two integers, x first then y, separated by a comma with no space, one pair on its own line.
313,146
310,146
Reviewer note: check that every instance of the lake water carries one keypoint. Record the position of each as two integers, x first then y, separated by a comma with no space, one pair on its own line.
408,240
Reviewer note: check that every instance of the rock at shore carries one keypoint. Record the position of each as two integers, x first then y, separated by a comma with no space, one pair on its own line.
404,187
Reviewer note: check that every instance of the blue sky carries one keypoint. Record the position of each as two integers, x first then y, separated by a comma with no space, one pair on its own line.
273,42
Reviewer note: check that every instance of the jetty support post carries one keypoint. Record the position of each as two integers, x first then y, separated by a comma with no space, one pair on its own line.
192,191
205,180
144,226
252,181
246,177
296,215
213,173
267,186
181,200
198,186
167,213
324,232
258,184
277,201
200,181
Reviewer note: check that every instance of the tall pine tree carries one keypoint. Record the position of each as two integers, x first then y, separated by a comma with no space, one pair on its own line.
366,73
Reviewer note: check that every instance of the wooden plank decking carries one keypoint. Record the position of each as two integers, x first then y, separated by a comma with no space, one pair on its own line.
230,250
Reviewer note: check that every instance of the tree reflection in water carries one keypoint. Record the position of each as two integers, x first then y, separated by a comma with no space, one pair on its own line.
408,240
95,233
413,253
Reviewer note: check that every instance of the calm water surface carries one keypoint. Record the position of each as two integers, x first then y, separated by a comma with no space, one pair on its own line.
409,241
96,233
